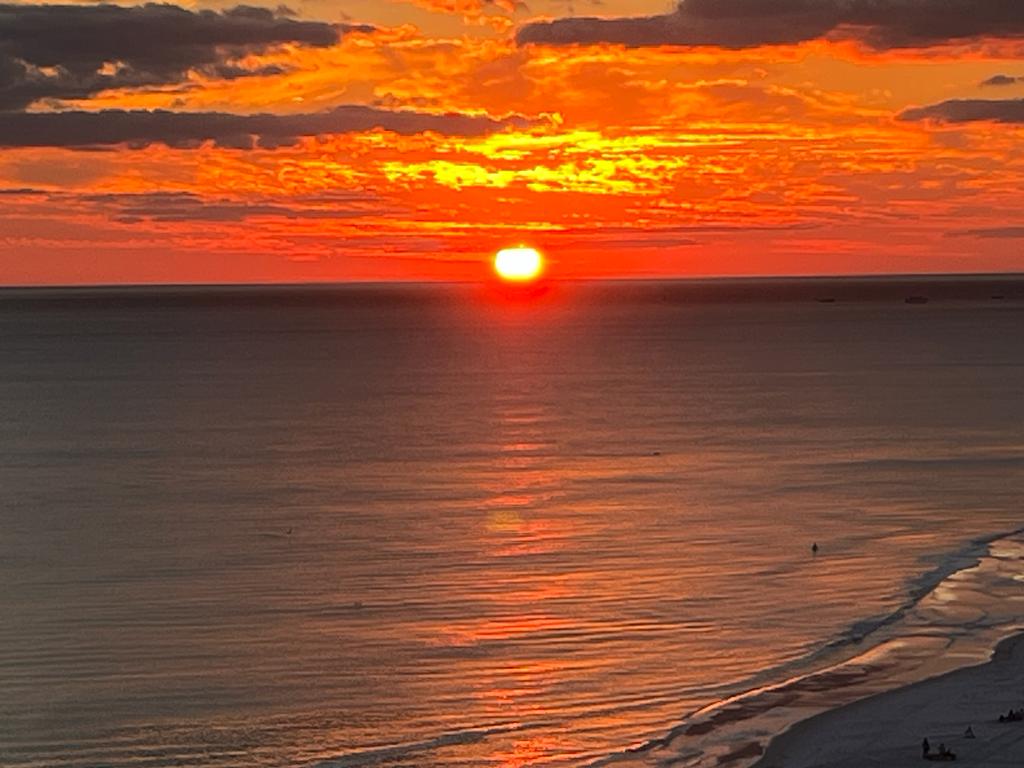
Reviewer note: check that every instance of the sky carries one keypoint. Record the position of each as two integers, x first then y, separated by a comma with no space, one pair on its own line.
336,140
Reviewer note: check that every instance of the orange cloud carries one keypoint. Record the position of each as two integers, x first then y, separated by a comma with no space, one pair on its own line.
647,161
470,8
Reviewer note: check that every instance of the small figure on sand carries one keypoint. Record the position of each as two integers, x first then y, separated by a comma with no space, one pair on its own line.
814,548
942,755
969,733
1013,716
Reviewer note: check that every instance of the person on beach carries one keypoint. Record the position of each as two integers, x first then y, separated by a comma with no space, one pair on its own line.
969,733
926,748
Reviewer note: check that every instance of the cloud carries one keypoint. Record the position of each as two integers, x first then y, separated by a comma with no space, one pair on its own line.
641,241
176,207
991,233
1001,80
879,24
188,130
969,111
21,192
76,51
470,8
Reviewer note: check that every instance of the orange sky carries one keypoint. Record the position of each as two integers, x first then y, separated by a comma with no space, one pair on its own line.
654,160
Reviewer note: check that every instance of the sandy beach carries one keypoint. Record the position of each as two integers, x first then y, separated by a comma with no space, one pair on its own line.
887,729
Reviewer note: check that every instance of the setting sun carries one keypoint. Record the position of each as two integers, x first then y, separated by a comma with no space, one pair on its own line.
519,264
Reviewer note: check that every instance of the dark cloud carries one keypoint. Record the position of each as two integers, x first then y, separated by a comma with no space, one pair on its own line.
233,71
969,111
173,207
879,24
75,51
991,233
140,128
1001,80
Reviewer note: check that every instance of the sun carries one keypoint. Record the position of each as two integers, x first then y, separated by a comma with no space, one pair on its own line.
519,264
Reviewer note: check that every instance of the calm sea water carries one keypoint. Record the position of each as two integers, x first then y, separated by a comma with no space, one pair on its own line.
481,531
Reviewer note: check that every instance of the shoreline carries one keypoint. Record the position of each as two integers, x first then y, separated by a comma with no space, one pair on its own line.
887,728
963,615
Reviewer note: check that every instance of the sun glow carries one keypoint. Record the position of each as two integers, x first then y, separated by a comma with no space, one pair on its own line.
519,264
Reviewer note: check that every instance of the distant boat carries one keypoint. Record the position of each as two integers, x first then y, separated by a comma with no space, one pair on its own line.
998,297
916,300
826,300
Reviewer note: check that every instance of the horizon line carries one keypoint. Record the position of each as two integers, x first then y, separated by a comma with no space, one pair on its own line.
563,280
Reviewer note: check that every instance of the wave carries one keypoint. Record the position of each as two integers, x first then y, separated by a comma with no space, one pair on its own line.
966,600
948,605
392,752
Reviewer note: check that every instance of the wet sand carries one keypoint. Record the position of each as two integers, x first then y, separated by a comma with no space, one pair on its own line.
887,729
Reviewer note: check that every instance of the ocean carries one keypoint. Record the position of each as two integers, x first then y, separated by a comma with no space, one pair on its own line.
460,526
